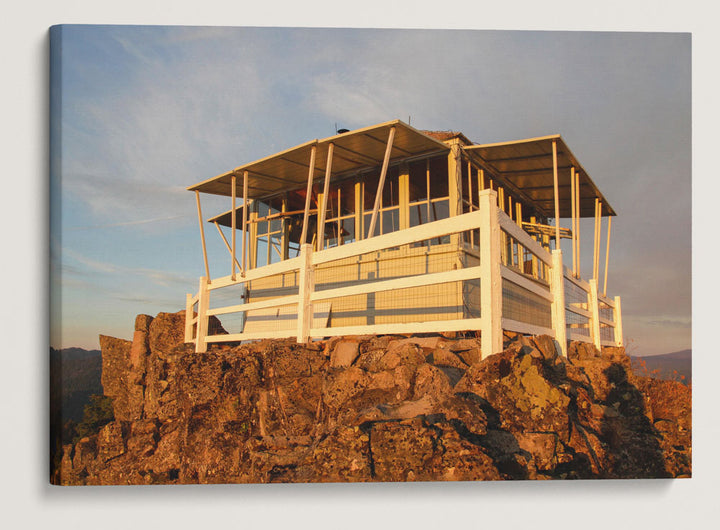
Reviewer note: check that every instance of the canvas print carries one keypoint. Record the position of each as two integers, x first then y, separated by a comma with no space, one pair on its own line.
363,255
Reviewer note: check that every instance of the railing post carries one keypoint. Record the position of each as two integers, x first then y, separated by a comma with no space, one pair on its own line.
557,287
306,285
491,339
188,317
617,317
202,319
595,310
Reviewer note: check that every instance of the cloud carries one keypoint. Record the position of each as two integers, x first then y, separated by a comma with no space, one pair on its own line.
84,267
128,223
131,145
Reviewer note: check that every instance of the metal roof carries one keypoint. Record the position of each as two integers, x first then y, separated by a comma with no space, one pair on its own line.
528,166
355,150
523,166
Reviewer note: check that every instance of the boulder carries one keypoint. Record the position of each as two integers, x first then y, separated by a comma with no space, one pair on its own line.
344,354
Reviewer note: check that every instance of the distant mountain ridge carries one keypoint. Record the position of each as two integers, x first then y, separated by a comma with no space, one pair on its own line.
74,376
670,366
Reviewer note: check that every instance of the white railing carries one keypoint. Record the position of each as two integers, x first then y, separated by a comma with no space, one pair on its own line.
602,316
493,227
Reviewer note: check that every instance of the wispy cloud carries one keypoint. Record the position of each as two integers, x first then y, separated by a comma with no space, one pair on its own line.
84,265
127,223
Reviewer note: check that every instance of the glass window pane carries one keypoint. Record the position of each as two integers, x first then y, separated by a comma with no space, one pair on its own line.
348,230
439,210
367,218
418,181
347,196
391,193
331,229
262,209
438,177
418,214
370,185
390,220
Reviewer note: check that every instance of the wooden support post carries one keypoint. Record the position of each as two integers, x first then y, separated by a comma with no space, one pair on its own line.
577,237
253,235
520,249
470,187
557,287
427,188
233,182
556,195
481,180
595,232
359,229
323,203
455,180
244,222
189,315
308,195
306,286
607,256
535,271
596,243
227,245
503,235
316,237
490,276
285,228
202,235
404,185
381,183
617,318
595,311
573,218
202,318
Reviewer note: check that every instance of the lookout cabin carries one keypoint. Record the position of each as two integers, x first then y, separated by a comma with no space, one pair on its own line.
389,229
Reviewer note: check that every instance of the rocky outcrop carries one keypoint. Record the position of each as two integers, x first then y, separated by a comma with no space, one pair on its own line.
385,408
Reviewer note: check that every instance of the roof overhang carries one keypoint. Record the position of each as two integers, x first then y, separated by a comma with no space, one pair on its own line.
354,151
528,166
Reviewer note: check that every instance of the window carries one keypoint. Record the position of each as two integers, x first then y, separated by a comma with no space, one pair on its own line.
388,219
428,193
269,234
340,214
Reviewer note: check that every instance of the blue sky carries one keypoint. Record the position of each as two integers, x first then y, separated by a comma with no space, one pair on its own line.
147,111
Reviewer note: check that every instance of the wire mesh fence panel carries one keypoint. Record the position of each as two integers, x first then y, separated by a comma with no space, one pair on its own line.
275,286
232,322
442,301
407,305
606,311
574,294
230,295
525,306
577,324
282,318
607,333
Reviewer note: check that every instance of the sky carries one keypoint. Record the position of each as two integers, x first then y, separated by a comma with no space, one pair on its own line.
138,113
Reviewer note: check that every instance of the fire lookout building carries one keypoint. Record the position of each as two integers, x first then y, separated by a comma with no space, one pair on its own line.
389,229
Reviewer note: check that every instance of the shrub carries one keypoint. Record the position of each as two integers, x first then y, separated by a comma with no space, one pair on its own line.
97,413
